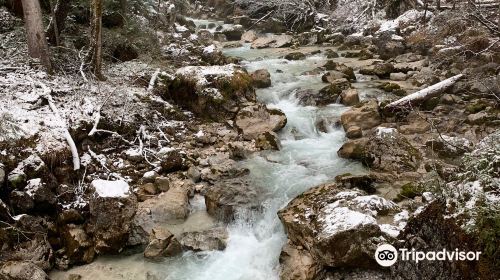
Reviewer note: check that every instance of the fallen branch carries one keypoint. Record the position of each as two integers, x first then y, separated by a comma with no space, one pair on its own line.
69,139
152,82
424,94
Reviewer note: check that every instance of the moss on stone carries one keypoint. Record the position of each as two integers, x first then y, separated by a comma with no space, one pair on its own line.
409,190
475,107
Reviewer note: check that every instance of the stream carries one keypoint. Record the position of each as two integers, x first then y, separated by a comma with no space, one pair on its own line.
308,158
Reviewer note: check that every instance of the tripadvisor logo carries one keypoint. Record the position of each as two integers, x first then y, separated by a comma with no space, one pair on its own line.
386,255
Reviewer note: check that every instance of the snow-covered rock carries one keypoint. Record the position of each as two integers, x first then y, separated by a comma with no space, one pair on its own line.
111,209
326,216
214,92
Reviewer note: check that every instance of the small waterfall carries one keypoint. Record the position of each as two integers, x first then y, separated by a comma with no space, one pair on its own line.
339,99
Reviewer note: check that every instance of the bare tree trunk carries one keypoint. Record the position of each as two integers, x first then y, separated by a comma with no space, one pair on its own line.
438,5
96,38
58,20
37,43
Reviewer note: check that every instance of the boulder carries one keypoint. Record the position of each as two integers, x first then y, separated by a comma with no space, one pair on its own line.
355,40
449,146
388,45
398,76
338,227
233,33
268,140
78,245
207,240
382,70
333,75
479,118
112,209
390,151
249,36
297,264
327,95
272,41
226,198
21,202
364,115
331,54
349,97
19,270
43,197
255,119
261,78
354,149
37,250
354,132
232,44
168,207
205,36
212,92
162,183
363,182
194,174
434,229
330,65
162,243
342,68
295,56
245,21
171,160
365,54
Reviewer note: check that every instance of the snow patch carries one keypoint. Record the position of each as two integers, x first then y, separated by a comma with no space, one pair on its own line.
383,132
200,73
106,188
337,219
210,49
408,17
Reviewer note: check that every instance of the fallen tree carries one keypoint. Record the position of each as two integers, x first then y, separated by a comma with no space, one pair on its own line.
423,95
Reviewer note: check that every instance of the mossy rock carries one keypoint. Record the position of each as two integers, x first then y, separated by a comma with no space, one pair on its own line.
389,87
430,104
476,107
399,92
409,190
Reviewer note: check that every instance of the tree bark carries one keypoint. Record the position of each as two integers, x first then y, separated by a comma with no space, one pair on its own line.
37,42
96,38
58,20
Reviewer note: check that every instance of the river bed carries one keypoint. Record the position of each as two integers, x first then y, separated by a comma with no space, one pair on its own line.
308,158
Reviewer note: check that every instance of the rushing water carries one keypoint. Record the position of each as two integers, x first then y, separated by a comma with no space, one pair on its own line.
308,157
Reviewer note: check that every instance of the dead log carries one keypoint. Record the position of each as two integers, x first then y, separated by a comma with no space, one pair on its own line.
423,95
